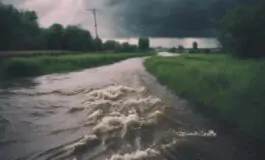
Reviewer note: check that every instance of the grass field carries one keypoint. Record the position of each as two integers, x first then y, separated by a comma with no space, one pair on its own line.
230,89
32,53
32,66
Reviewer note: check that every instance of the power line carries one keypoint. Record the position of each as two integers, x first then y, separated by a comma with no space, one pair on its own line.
94,11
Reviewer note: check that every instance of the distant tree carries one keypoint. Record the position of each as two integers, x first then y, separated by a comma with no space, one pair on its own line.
133,48
172,50
195,45
110,45
118,47
97,44
77,39
54,37
144,44
126,47
180,49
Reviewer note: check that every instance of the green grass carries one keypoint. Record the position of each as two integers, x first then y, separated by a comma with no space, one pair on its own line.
230,89
33,66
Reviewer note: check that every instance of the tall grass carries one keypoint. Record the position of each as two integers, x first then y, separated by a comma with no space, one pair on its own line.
231,89
24,67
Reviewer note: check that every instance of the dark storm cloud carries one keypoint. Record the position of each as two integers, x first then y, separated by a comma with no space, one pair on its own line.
171,17
133,17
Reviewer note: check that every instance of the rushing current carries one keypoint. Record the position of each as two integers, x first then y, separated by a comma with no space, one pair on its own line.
114,112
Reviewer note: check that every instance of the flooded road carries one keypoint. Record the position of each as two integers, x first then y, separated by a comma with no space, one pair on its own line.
115,112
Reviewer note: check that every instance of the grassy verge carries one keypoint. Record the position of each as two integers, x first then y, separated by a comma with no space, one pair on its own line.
25,67
227,88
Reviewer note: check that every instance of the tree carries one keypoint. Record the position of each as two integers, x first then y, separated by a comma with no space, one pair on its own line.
195,45
29,31
97,44
110,45
172,50
144,44
19,29
54,37
242,31
8,17
77,39
127,47
180,49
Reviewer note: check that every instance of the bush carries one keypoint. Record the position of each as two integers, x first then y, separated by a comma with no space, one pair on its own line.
17,67
193,51
173,50
126,47
206,51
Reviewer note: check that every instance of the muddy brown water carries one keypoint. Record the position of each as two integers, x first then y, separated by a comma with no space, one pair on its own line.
114,112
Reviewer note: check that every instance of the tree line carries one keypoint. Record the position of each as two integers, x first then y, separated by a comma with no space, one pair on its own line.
20,30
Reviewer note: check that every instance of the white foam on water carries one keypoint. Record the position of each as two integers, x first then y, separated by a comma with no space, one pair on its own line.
87,140
110,93
210,133
123,122
119,114
95,115
137,155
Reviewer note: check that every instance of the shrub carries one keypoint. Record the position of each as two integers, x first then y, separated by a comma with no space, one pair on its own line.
173,50
18,67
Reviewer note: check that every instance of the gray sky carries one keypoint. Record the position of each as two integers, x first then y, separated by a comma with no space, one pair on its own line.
70,12
133,17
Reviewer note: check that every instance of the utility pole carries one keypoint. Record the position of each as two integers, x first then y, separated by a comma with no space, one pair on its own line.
94,11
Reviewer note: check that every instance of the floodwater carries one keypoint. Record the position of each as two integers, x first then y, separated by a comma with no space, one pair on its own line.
115,112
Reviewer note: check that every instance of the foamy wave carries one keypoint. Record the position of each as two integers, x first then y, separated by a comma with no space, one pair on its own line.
86,142
210,133
129,119
110,123
56,92
119,99
142,105
137,155
110,93
95,115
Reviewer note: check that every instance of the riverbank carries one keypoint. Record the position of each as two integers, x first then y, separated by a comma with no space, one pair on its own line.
25,67
231,89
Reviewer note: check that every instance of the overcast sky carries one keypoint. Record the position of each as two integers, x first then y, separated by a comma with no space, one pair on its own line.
70,12
131,17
